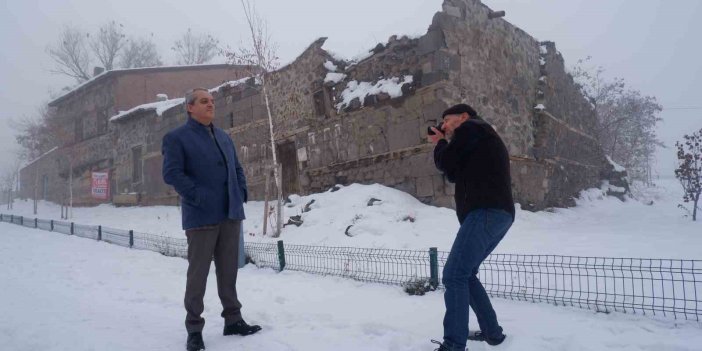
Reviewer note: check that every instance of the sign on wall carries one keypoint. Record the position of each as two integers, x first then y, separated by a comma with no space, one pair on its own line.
101,185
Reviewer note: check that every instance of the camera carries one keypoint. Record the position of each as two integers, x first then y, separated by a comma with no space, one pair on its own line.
439,127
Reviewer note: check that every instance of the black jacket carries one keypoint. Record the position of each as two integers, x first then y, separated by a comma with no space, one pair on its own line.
476,160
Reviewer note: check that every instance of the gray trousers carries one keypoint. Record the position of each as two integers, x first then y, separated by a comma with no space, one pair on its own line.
220,241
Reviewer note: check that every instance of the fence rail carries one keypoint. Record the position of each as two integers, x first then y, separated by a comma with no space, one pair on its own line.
667,287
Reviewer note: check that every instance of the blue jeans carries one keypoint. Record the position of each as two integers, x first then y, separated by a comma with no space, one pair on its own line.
479,234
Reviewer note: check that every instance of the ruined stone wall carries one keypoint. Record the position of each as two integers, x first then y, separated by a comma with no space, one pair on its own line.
90,106
92,155
495,69
563,141
32,175
517,84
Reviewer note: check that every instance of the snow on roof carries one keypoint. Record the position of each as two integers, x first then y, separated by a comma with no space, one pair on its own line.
617,167
543,49
162,106
334,77
355,89
39,158
233,83
126,70
330,66
159,106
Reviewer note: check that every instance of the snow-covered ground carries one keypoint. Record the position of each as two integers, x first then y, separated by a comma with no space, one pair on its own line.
68,293
650,226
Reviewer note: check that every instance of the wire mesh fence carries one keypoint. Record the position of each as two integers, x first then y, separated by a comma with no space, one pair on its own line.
263,255
175,247
667,287
62,227
44,224
85,231
115,236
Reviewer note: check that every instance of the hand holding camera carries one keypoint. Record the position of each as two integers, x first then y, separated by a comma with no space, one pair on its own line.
434,134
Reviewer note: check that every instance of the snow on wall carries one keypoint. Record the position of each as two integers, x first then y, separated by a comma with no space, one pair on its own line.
355,89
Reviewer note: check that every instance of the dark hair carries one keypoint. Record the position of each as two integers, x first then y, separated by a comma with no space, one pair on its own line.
459,109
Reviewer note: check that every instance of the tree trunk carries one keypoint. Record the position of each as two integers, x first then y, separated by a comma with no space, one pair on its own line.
276,174
694,208
36,189
279,218
265,203
69,212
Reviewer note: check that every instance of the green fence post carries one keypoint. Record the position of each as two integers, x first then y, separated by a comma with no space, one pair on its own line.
99,233
281,255
131,238
434,267
71,228
35,222
52,225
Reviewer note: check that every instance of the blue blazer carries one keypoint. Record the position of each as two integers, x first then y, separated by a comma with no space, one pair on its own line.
193,165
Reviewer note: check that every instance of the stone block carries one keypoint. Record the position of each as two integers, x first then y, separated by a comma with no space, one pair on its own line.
125,199
433,40
425,186
452,11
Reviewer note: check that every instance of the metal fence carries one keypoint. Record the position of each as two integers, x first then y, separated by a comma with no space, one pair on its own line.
667,287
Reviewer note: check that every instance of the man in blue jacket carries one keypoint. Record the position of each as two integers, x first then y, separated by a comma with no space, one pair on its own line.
199,161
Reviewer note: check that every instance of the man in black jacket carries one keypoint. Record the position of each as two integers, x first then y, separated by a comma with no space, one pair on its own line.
477,161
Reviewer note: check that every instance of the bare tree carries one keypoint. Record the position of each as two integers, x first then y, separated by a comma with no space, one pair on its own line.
9,182
32,134
689,171
34,140
261,56
195,49
62,130
140,52
70,54
627,120
107,44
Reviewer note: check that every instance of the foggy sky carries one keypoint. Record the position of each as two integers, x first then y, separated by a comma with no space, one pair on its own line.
653,45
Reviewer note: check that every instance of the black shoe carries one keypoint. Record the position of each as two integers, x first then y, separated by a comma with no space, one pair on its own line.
195,342
241,328
442,347
479,336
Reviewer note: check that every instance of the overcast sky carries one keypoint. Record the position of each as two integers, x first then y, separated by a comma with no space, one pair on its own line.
654,45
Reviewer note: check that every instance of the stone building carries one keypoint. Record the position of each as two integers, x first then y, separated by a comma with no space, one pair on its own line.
341,122
86,140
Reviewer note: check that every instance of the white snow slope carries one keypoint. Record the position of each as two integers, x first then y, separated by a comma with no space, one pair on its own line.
67,293
650,227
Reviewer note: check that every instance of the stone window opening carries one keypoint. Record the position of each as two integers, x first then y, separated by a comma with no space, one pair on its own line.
102,121
78,130
231,119
321,103
44,187
137,163
245,153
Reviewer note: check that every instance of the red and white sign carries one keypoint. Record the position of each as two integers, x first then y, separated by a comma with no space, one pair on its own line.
101,185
